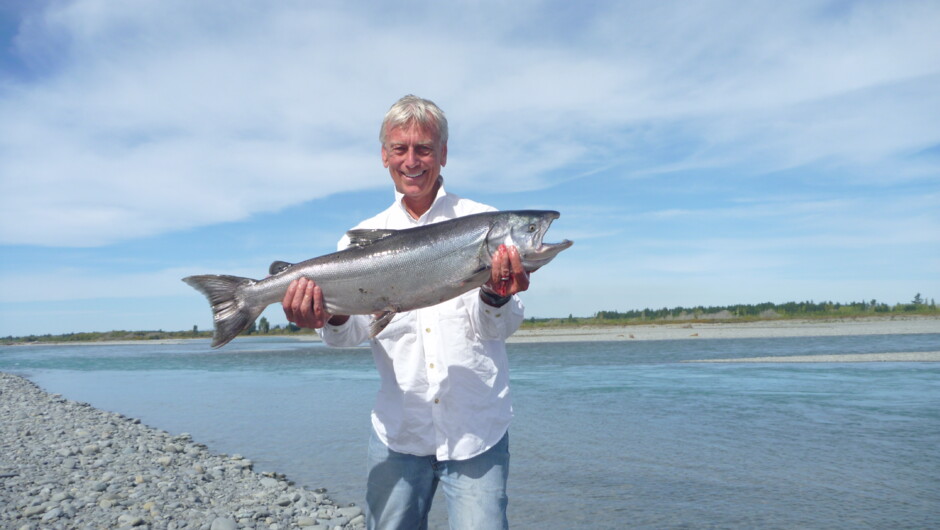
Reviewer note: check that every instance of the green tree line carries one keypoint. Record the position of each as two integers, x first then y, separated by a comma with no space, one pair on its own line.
765,310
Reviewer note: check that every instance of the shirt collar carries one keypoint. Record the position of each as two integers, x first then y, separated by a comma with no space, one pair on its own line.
441,193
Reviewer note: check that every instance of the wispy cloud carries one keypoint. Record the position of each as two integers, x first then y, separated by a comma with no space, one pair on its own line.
136,120
76,284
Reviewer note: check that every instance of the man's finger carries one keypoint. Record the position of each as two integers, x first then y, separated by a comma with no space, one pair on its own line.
496,272
515,260
288,302
297,304
289,294
520,278
319,306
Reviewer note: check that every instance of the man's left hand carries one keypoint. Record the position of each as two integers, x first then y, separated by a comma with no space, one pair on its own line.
507,275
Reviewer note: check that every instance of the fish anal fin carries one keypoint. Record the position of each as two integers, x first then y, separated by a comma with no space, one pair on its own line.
380,322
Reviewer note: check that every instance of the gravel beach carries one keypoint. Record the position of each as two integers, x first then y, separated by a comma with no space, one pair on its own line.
68,465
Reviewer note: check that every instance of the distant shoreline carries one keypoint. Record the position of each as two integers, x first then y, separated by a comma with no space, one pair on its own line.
893,357
767,328
892,325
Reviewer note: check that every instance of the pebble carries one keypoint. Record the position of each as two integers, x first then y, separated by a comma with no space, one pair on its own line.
223,523
65,464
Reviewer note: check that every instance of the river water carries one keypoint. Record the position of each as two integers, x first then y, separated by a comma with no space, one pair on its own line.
606,434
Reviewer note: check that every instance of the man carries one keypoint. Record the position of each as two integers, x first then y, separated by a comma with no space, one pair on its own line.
443,410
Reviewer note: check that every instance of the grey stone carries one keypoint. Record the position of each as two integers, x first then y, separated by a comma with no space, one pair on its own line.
52,514
223,523
61,496
284,501
338,521
127,519
350,511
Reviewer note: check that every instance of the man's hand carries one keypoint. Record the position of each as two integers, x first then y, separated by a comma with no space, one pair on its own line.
303,305
507,275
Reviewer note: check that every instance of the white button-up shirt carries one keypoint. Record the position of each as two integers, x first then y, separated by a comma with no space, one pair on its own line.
444,369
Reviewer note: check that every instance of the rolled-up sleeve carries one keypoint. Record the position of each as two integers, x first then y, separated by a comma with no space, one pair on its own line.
496,323
353,333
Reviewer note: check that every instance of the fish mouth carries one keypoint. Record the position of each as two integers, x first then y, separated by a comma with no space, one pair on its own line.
543,253
538,258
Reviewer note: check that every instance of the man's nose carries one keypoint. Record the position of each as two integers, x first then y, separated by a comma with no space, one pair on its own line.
411,157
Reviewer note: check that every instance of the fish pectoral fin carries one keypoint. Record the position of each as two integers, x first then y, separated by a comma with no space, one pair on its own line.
380,322
278,267
478,277
364,237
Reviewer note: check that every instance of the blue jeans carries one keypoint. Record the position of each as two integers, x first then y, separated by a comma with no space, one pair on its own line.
401,487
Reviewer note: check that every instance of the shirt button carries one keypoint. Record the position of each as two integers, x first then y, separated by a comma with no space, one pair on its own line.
427,330
436,401
431,366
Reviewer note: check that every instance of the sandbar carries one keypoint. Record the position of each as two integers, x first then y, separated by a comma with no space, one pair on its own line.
910,357
895,325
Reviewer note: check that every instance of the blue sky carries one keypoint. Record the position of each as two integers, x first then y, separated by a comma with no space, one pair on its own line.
701,153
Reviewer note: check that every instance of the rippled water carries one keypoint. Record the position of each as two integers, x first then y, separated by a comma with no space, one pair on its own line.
606,435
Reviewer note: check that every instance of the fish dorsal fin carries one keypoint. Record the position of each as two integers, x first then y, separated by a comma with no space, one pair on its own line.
278,267
378,323
363,237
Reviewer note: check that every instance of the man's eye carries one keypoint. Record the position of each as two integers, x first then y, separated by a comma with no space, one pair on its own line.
423,150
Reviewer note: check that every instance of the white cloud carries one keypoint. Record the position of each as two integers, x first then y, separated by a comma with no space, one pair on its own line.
73,284
137,119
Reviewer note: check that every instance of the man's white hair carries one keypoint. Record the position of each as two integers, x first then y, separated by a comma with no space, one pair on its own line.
412,110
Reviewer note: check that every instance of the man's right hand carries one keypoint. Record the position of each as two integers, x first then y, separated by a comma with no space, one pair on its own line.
303,305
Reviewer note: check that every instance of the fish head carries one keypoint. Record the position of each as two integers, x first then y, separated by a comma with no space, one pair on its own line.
525,229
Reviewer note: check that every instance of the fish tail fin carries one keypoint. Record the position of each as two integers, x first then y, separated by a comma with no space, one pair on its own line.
231,311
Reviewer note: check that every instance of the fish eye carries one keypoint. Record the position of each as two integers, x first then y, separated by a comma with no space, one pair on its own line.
532,228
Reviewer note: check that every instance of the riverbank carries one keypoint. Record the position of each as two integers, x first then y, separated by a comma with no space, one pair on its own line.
735,330
894,357
65,464
768,328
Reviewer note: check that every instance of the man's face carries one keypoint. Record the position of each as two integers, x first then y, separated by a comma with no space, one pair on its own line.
414,158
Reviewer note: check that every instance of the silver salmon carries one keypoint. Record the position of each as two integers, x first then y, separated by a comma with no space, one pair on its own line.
384,272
